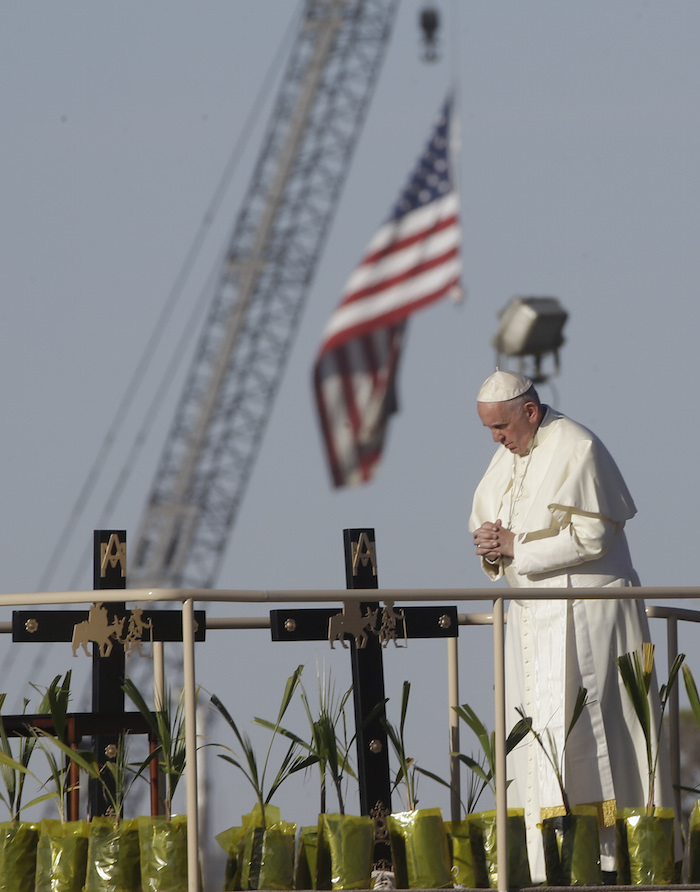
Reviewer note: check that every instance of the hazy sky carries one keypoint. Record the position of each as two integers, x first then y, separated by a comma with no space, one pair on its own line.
579,179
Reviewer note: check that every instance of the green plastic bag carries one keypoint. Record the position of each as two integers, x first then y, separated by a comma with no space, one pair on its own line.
231,841
306,858
420,850
274,856
345,851
61,856
694,844
267,859
644,847
18,843
485,849
163,853
459,839
113,856
572,848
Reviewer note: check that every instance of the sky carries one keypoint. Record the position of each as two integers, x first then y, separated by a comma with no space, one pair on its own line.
578,178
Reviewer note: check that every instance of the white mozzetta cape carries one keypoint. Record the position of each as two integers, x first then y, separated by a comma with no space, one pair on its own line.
567,503
561,488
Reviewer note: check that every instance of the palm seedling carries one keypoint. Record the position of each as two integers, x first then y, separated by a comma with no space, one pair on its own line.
484,770
54,701
327,748
56,698
637,670
408,771
254,773
116,776
549,746
694,701
14,777
15,771
167,722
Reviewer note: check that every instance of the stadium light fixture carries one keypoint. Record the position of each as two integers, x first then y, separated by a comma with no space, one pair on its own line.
530,329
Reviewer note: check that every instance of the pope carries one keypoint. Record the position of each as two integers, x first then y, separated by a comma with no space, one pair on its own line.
550,511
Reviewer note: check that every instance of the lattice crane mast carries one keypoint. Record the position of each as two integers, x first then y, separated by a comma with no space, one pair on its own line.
263,284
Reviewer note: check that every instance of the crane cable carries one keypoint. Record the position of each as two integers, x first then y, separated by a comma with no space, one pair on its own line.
171,302
135,383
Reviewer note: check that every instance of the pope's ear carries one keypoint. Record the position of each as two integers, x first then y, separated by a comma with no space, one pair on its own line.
531,411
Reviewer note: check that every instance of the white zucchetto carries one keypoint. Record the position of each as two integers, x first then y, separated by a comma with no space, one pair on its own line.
502,386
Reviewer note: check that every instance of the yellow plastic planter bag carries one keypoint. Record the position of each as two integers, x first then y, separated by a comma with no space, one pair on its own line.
61,856
485,849
163,853
420,850
113,856
459,839
18,843
306,858
572,848
231,841
345,851
267,860
644,847
694,844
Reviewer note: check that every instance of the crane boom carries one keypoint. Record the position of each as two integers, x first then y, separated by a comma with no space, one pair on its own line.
262,287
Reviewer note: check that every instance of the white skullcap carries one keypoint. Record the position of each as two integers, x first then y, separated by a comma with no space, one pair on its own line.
503,386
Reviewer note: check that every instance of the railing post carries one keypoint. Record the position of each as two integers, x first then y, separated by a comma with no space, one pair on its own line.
158,674
190,745
500,734
674,716
453,724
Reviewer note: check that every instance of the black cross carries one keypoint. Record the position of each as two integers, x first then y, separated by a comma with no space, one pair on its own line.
108,717
108,672
366,650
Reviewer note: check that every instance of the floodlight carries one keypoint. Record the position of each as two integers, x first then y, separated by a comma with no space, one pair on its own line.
531,327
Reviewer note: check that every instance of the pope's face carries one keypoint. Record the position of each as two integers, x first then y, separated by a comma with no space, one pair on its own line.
512,424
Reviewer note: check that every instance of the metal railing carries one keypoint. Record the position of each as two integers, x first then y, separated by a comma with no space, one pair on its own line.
187,598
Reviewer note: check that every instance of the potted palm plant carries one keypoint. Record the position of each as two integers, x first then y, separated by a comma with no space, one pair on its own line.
267,848
645,835
571,840
419,844
693,837
18,839
163,839
113,842
473,840
61,861
337,851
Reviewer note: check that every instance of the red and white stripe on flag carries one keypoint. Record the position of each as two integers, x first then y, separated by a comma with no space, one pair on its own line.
412,261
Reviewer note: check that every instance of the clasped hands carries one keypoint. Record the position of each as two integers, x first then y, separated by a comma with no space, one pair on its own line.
493,541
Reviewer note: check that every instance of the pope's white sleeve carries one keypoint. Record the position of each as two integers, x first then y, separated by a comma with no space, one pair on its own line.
493,571
585,538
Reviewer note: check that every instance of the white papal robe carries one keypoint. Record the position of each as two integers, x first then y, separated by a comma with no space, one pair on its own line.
567,503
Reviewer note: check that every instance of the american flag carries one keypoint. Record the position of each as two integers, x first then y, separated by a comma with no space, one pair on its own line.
412,261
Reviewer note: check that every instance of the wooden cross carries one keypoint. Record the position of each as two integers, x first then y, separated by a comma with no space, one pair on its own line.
368,628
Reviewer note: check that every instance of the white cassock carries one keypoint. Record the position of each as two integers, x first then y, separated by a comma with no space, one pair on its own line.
567,503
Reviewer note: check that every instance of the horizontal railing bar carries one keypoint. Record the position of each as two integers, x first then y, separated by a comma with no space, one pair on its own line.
220,623
475,619
239,622
322,595
658,611
215,623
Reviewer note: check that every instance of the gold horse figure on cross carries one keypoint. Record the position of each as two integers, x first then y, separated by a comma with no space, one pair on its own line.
98,629
351,622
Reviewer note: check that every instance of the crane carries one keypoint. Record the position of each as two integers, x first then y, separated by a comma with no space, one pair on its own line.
262,286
